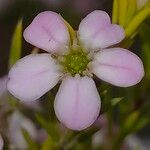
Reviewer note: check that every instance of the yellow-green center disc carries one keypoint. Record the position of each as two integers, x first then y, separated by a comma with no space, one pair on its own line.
76,62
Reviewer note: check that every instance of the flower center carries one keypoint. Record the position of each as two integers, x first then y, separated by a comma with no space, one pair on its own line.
76,62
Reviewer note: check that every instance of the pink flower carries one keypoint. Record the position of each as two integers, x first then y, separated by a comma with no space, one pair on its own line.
77,103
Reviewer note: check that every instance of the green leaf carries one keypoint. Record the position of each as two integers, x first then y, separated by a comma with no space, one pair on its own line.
132,8
31,144
50,127
130,121
115,12
49,144
141,123
137,21
116,100
122,11
71,31
16,44
145,36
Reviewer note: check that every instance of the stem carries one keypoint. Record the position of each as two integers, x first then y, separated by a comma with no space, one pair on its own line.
115,12
110,120
132,8
122,12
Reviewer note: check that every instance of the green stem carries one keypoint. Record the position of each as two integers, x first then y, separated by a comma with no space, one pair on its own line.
122,12
115,12
132,8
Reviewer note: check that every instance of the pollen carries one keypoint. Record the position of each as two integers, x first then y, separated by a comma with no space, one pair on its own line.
76,62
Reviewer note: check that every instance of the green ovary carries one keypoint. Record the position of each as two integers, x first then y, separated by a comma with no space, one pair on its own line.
76,62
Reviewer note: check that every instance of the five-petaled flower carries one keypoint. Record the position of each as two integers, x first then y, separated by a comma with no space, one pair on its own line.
77,103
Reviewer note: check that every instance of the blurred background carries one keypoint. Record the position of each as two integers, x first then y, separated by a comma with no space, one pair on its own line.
135,99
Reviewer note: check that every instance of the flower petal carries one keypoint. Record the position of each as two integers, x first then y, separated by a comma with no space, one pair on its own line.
96,31
32,76
118,66
48,32
77,102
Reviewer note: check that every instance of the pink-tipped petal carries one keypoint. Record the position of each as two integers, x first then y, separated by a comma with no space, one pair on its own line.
118,66
77,103
32,76
48,32
96,31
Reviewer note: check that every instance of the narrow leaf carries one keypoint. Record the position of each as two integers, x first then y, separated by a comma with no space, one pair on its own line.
116,100
132,8
145,36
16,44
122,12
136,21
115,12
31,144
71,31
49,144
50,127
130,121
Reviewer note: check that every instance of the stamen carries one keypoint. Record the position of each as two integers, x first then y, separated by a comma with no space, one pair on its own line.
76,62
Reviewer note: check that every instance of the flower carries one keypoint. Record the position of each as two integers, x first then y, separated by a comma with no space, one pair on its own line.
77,103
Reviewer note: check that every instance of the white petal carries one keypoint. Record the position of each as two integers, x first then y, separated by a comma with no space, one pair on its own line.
118,66
32,76
109,36
97,32
48,32
77,103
